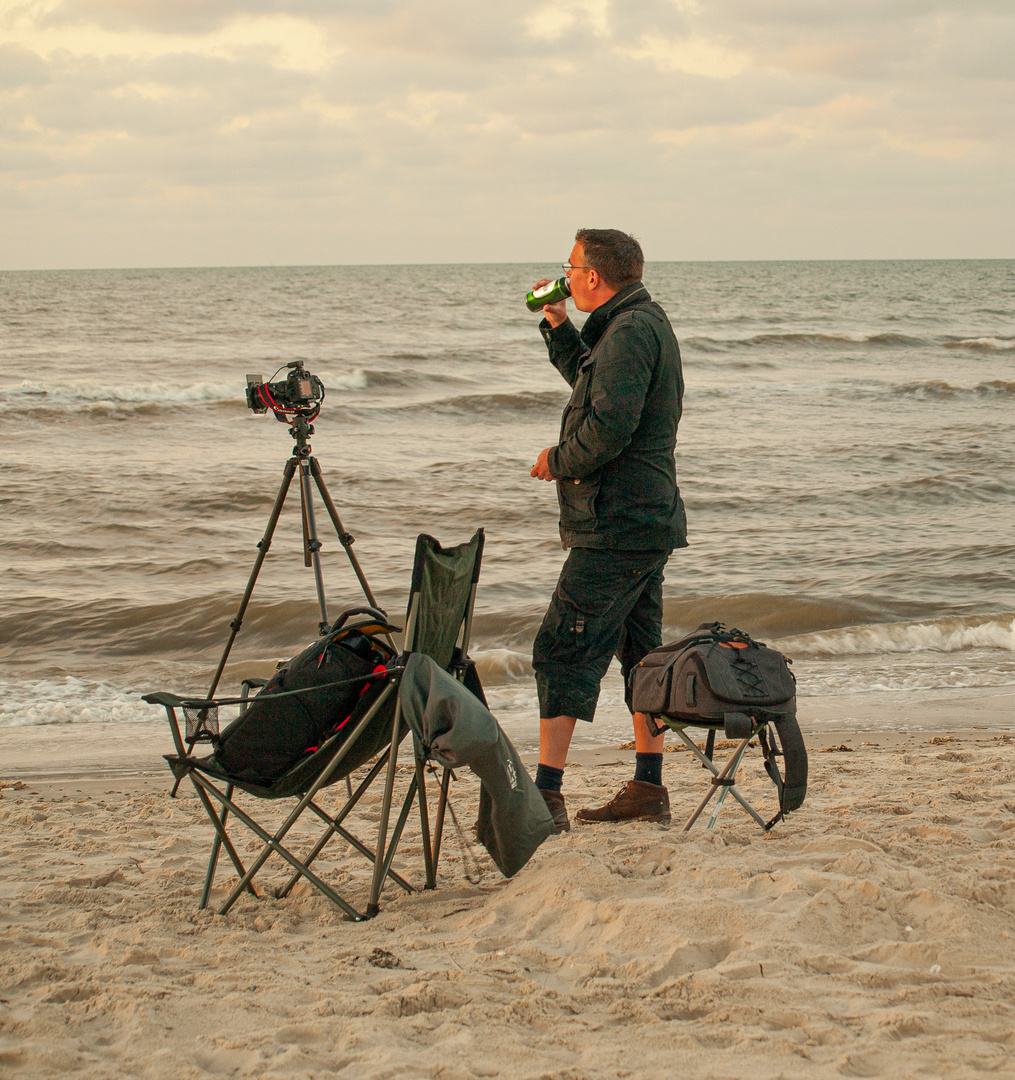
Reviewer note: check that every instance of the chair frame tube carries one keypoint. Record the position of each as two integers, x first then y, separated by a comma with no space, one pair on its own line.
382,827
335,826
271,844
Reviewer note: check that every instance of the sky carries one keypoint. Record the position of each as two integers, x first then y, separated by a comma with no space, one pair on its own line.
258,132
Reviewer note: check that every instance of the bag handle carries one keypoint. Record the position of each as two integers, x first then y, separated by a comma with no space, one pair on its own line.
375,613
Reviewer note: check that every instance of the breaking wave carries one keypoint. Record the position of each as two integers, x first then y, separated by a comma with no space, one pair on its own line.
982,344
937,389
106,397
83,395
499,666
70,701
948,635
803,340
523,403
927,390
837,341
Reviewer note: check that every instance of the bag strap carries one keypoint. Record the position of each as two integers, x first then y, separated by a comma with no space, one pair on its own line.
772,768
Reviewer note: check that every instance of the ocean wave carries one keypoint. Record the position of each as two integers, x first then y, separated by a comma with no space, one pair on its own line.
360,379
196,626
84,394
982,344
735,364
140,397
499,666
771,615
935,389
947,488
810,340
946,635
523,403
890,673
939,489
351,381
926,390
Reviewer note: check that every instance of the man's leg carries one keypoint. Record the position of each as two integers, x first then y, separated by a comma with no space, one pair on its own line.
645,798
554,739
644,742
643,632
573,649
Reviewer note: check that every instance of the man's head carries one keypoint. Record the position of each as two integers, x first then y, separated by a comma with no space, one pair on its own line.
603,262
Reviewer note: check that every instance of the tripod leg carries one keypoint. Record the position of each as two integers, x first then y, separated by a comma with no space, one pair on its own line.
311,544
346,539
262,550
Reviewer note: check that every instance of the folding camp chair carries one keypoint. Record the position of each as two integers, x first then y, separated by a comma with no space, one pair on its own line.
439,623
723,781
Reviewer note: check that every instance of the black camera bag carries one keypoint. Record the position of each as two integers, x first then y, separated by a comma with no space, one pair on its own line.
718,676
276,732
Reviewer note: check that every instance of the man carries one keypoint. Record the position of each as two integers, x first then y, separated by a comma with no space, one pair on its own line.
620,509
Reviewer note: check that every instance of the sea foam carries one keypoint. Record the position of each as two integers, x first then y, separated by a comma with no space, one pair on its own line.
33,703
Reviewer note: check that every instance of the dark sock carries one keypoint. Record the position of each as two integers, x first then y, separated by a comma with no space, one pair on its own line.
550,779
648,768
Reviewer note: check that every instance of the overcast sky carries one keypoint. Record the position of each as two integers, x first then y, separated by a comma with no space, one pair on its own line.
250,132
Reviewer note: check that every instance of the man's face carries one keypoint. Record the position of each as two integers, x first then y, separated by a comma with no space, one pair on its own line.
579,277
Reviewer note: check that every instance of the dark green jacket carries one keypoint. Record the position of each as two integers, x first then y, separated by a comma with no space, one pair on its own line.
616,479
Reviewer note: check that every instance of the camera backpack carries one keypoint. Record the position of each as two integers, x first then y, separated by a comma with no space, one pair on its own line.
279,726
718,677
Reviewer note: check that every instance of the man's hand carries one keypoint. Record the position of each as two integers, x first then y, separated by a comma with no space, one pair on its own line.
554,314
541,470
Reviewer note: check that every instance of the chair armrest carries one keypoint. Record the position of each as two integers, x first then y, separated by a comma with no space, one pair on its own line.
171,701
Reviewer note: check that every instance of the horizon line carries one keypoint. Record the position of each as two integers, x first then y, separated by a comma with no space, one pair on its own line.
498,262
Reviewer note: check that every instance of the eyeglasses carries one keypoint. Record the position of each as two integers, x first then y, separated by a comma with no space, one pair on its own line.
567,266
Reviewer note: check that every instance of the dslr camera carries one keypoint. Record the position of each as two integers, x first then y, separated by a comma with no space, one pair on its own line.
300,393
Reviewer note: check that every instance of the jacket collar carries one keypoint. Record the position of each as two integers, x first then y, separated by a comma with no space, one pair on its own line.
599,319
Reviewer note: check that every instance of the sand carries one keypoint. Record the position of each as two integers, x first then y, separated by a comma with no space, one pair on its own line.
873,934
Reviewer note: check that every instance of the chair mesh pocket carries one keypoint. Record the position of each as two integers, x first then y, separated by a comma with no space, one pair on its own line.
202,723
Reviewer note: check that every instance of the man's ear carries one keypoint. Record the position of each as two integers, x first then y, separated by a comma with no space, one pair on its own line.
594,279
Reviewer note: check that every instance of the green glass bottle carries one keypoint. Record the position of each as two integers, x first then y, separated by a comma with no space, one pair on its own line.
548,294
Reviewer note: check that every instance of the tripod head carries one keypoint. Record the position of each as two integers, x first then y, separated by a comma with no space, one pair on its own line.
301,429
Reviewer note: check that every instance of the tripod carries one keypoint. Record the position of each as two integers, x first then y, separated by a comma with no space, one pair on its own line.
303,461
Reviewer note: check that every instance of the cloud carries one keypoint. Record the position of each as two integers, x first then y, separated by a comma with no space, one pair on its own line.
693,55
392,129
551,21
20,68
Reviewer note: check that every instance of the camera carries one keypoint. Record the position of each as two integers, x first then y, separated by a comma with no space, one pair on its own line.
299,394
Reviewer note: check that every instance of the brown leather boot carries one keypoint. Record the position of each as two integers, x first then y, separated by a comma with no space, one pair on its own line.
555,804
639,801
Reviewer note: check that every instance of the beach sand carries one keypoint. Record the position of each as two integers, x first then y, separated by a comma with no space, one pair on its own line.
872,934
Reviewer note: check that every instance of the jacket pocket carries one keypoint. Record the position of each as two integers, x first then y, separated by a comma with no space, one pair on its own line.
577,500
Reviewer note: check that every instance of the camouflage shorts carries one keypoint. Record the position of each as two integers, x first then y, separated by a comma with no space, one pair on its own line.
606,604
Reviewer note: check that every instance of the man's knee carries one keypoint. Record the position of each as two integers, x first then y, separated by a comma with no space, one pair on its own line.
567,692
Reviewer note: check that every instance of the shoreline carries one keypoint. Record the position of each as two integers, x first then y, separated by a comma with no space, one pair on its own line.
133,750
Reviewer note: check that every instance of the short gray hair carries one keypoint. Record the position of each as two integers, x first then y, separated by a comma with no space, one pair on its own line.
615,256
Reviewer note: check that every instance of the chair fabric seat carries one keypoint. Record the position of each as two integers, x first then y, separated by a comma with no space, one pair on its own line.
299,779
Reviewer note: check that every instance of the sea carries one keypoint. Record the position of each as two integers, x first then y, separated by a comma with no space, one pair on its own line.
846,456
